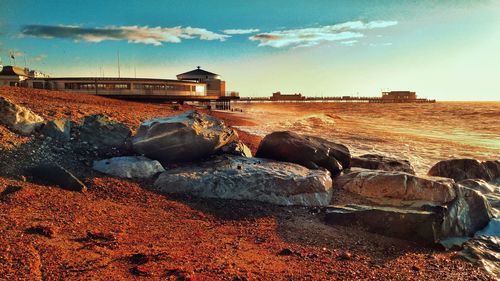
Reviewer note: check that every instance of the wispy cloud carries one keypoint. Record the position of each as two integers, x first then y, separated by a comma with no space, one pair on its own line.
306,37
39,57
349,42
240,31
133,34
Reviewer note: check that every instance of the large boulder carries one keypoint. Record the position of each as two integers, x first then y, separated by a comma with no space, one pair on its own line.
233,177
103,133
18,118
382,162
308,151
415,225
129,167
186,137
58,129
461,169
397,188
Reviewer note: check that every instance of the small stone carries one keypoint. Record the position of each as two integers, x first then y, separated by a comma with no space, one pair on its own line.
345,256
415,268
139,258
44,230
141,270
97,235
285,252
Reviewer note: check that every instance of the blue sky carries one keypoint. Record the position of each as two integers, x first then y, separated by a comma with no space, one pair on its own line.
442,49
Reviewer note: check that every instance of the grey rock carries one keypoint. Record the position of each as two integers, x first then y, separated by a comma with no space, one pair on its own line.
186,137
237,148
129,167
382,162
308,151
58,129
461,169
396,188
414,225
104,133
233,177
466,214
18,118
57,175
484,250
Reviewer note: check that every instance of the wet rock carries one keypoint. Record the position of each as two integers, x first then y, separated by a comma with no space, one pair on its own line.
237,148
461,169
466,214
397,188
415,225
256,179
104,134
484,250
186,137
478,185
382,162
58,129
129,167
57,175
308,151
18,118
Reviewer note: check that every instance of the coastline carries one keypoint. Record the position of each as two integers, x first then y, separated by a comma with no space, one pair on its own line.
204,238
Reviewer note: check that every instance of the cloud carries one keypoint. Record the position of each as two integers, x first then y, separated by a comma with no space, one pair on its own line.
306,37
16,53
39,57
349,42
240,31
133,34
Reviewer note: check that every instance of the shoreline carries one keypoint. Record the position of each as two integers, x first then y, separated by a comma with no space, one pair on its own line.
203,238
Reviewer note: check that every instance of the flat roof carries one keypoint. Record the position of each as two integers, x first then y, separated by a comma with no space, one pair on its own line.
115,79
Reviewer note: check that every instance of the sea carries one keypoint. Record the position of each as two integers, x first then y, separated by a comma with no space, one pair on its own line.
422,133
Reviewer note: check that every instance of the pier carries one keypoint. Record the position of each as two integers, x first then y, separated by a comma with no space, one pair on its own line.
387,97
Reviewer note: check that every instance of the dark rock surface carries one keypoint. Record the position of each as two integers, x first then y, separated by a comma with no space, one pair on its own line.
461,169
57,175
186,137
58,129
382,162
103,133
414,225
308,151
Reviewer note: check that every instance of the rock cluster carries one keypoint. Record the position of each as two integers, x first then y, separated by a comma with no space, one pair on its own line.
455,199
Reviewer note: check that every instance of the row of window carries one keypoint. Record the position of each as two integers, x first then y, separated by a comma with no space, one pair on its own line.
92,86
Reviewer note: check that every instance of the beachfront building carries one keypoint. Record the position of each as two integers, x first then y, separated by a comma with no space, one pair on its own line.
120,87
13,75
399,95
215,85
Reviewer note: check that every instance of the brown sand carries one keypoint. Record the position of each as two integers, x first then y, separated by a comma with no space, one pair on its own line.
119,230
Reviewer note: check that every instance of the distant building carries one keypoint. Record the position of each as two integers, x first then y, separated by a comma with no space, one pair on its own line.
399,95
12,75
279,96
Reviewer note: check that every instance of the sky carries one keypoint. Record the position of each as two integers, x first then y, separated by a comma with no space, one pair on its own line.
442,49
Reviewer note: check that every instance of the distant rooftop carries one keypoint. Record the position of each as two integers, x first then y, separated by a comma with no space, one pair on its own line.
197,73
